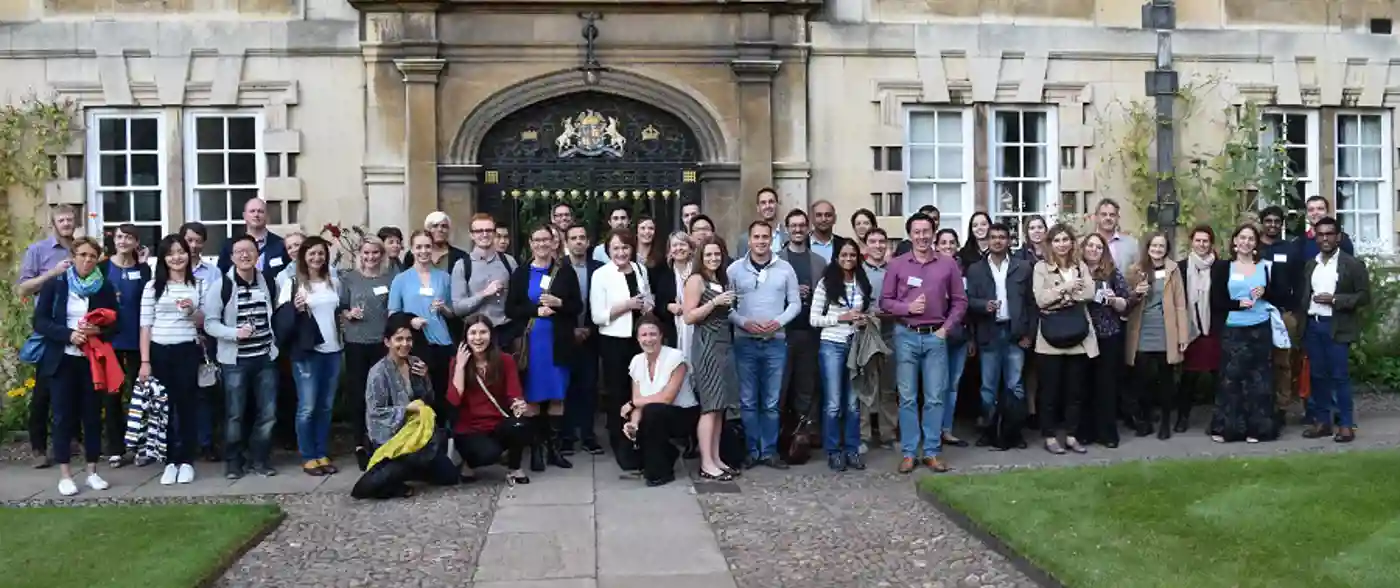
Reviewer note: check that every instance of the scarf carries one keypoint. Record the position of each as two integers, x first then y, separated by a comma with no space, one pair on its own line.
84,287
1198,294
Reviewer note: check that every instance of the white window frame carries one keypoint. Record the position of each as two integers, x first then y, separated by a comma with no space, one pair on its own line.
95,223
191,153
1385,198
1050,207
1313,132
969,147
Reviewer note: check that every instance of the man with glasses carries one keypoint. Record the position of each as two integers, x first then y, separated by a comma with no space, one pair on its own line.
924,292
479,282
620,217
1335,286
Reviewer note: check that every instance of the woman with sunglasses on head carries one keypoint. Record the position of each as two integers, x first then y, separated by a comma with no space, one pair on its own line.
544,296
485,390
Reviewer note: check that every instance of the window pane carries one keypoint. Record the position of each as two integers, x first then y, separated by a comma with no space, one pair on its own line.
1367,196
1347,132
218,233
210,169
145,134
274,165
1297,161
1007,162
112,170
274,214
895,156
877,155
896,202
1296,130
1033,127
213,205
1368,228
921,163
921,127
1348,162
242,168
209,132
1033,162
111,134
1370,130
145,170
116,207
950,163
242,133
950,128
150,236
949,198
1370,161
920,195
147,205
238,199
1008,128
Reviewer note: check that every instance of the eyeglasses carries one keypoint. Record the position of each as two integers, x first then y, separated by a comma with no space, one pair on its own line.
483,231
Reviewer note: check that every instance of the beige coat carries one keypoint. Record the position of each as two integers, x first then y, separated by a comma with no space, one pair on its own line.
1173,313
1047,284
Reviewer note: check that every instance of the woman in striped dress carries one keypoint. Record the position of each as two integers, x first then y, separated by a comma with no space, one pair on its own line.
707,303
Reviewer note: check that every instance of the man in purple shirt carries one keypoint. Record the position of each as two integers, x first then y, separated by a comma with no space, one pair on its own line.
923,291
43,261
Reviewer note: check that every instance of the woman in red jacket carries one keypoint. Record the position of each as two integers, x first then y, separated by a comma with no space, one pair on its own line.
485,388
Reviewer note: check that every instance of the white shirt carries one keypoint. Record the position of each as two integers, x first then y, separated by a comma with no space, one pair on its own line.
77,309
609,287
1324,281
829,322
667,360
999,277
169,325
322,300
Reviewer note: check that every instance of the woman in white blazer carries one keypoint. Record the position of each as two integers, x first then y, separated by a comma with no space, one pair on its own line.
618,295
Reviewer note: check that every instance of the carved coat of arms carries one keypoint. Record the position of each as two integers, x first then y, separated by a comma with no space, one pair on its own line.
590,134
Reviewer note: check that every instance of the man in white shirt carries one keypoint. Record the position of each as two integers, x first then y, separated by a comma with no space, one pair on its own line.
620,217
999,303
1335,286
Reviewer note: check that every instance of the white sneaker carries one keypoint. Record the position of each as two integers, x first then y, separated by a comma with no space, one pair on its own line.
96,482
863,448
168,477
186,473
66,487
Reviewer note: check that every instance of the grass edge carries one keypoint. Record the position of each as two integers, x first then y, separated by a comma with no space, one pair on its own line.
252,540
1023,564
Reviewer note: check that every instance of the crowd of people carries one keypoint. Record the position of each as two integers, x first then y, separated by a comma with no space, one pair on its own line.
684,348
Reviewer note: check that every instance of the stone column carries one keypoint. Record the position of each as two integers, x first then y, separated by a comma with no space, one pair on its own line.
755,79
420,77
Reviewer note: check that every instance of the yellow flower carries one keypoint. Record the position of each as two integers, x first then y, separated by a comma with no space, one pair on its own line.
29,383
16,393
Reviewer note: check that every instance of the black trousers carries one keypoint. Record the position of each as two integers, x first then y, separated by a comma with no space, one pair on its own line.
1100,420
1062,380
40,413
284,428
581,400
359,357
485,449
177,368
802,395
75,403
616,354
1153,378
114,405
662,423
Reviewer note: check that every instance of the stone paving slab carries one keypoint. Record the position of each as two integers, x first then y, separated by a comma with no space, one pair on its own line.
536,556
715,580
575,519
561,583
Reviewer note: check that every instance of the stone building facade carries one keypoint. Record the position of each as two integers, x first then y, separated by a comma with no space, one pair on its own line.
376,112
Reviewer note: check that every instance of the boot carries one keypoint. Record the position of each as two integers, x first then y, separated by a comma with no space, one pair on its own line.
1183,420
537,448
1144,422
553,455
1164,430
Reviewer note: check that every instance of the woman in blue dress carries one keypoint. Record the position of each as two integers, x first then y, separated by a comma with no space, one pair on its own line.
545,296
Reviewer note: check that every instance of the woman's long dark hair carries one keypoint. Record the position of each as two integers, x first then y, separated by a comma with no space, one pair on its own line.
971,252
303,270
834,278
162,276
963,264
697,262
493,355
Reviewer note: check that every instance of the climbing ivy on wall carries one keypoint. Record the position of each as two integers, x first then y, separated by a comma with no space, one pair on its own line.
33,131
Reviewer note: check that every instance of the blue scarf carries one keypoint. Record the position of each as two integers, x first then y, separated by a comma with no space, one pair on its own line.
84,287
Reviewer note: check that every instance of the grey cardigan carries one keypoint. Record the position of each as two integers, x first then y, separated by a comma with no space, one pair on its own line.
386,397
221,320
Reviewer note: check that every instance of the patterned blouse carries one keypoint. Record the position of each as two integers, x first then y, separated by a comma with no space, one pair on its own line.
1108,322
386,397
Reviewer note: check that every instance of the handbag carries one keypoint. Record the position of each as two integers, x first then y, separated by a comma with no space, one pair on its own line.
521,355
208,370
32,351
797,445
1278,329
512,422
1066,327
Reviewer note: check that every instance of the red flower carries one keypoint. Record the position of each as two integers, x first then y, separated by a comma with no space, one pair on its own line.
332,229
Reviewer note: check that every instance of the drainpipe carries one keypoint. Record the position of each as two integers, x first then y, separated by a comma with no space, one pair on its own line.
1162,84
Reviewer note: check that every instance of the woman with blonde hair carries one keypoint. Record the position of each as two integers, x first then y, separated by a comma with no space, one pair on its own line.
364,308
1066,341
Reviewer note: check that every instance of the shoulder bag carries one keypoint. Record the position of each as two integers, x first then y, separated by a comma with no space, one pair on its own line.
512,422
522,352
32,352
1066,327
208,370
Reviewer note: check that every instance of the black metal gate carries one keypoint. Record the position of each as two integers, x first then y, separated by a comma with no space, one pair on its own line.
592,150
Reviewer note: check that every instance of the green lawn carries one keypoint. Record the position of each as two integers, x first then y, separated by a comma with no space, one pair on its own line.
173,546
1305,520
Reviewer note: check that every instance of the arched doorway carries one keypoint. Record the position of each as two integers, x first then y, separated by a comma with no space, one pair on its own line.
592,150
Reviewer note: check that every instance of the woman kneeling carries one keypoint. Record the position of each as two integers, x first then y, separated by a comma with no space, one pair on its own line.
485,388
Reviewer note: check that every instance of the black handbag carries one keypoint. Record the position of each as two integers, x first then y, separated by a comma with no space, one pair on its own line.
1066,327
512,423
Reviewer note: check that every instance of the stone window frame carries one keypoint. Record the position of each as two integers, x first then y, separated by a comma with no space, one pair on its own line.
1016,215
967,192
96,223
191,152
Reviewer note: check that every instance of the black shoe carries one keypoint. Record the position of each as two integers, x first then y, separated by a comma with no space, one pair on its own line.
233,471
1183,422
263,470
855,462
1164,432
1144,425
556,458
537,458
362,458
984,440
660,481
211,455
836,462
750,462
566,448
553,455
692,450
776,463
592,447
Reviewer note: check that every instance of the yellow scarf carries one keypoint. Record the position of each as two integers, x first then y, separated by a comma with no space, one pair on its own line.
417,431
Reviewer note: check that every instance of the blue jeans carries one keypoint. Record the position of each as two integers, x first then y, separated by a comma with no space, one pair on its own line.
316,375
839,401
1002,363
920,357
760,363
1331,384
256,376
957,360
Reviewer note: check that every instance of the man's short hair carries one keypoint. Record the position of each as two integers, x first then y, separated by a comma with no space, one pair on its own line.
875,231
999,227
1328,220
194,227
243,237
576,226
1107,202
787,219
386,233
1272,211
918,216
760,223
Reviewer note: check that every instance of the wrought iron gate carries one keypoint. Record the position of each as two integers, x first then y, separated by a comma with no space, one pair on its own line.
592,150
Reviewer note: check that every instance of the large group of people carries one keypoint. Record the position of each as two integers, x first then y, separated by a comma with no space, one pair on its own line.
679,344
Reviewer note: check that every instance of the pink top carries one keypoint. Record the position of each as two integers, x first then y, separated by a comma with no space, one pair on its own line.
939,279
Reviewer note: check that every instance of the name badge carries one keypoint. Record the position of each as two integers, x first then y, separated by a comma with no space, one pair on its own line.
545,281
276,262
915,281
381,290
964,284
1161,274
762,276
1236,277
717,288
133,275
1281,258
256,296
425,291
